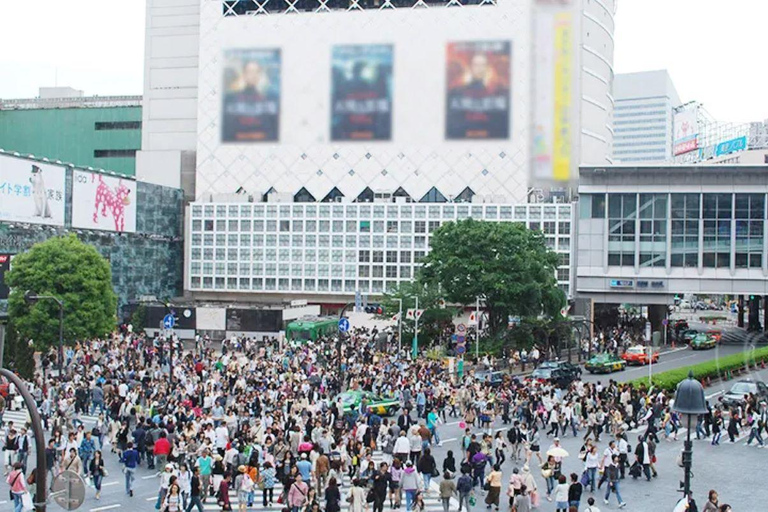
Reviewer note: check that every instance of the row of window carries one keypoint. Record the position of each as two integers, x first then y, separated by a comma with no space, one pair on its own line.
389,211
244,7
650,141
621,106
285,284
117,125
114,153
348,226
640,114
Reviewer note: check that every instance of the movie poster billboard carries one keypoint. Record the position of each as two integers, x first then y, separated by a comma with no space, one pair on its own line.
478,83
31,192
361,92
103,202
251,95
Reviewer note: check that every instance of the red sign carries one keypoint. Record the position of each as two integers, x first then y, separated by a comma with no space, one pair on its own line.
687,146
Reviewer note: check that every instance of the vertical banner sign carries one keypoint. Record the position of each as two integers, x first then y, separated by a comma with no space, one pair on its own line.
478,95
361,92
5,266
544,108
103,202
251,93
686,128
31,192
561,155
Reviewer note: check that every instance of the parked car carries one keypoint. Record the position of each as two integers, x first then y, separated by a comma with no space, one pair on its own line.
557,376
605,363
703,341
740,388
638,354
571,369
495,379
351,400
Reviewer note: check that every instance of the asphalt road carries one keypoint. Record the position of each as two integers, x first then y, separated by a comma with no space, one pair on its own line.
729,468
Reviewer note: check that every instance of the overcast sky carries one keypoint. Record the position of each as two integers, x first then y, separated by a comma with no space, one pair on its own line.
711,48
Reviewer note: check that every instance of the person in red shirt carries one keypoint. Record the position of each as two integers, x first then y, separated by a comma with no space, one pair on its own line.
162,450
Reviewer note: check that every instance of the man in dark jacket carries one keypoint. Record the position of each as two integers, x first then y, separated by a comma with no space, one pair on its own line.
195,492
381,481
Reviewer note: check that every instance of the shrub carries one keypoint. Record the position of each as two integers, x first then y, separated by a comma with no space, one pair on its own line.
717,368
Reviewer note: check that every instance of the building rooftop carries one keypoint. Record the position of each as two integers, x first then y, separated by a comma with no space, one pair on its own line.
70,101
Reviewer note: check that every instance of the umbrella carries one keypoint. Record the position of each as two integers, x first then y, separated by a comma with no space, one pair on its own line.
557,451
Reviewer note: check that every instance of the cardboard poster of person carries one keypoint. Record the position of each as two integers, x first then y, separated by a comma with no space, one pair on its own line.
31,191
103,202
361,92
478,90
251,109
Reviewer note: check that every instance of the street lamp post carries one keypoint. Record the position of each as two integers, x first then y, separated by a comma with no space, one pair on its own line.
37,426
31,298
689,400
400,327
339,349
415,347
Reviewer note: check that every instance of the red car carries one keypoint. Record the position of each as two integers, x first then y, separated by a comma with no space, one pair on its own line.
639,355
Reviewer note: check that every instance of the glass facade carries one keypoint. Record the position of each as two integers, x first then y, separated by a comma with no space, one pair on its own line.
710,230
339,248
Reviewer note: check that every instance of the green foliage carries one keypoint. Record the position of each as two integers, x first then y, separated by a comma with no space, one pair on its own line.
139,318
434,319
75,273
18,355
716,368
506,264
544,332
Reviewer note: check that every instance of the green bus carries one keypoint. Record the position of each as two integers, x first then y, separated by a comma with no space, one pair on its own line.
306,329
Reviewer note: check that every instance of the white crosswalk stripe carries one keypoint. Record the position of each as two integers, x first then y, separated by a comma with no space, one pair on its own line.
21,417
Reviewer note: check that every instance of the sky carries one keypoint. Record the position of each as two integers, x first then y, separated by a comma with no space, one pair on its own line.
711,48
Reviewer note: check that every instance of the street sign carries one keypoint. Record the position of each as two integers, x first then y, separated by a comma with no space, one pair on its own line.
168,321
461,338
461,348
343,325
461,328
68,490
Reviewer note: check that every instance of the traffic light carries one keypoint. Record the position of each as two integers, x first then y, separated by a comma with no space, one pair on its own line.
374,309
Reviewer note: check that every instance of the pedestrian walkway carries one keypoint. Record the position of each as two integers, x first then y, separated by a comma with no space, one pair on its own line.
20,417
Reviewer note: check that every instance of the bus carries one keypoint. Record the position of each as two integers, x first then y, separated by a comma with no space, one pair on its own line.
306,329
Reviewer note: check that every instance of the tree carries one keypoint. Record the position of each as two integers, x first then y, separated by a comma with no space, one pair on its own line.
71,271
18,356
505,264
435,318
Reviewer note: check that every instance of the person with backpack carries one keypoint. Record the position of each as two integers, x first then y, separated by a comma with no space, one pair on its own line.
464,488
244,486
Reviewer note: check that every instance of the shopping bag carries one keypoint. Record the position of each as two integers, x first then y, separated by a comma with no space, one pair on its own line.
26,502
584,478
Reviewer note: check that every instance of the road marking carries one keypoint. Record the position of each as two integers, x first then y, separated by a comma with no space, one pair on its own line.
3,502
106,507
110,483
147,477
715,394
153,498
449,440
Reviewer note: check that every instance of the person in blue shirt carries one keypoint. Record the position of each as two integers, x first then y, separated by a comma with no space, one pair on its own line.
432,421
421,403
130,459
304,467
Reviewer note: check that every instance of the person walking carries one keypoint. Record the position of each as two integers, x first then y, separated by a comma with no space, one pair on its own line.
410,483
268,483
522,502
613,482
297,494
561,494
712,504
493,480
427,466
129,459
447,490
356,498
591,461
173,501
195,491
574,491
332,497
96,471
464,488
17,485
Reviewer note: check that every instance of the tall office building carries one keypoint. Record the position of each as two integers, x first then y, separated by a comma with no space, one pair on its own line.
642,117
328,145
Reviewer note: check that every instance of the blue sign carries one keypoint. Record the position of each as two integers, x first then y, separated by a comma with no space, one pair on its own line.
168,321
731,146
461,348
622,283
343,325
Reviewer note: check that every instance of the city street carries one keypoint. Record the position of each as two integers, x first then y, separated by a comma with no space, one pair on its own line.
713,465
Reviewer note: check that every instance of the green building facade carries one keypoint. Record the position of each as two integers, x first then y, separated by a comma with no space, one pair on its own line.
98,132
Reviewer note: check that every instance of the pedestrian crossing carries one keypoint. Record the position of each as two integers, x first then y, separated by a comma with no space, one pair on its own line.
21,417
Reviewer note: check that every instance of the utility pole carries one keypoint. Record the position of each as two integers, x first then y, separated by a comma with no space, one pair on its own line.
415,348
477,328
400,327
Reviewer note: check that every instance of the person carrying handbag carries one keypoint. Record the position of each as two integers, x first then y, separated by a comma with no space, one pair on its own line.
18,487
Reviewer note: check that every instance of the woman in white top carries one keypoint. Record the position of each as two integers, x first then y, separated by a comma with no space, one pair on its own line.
591,461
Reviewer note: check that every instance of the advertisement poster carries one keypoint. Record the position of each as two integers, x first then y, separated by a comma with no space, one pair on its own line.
251,109
561,149
31,192
478,82
686,132
103,202
361,92
5,266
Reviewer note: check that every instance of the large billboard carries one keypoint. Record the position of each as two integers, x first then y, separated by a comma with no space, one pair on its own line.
478,95
31,192
251,108
686,128
103,202
361,92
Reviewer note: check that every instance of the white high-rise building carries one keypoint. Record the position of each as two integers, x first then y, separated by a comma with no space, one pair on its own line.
642,117
348,102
